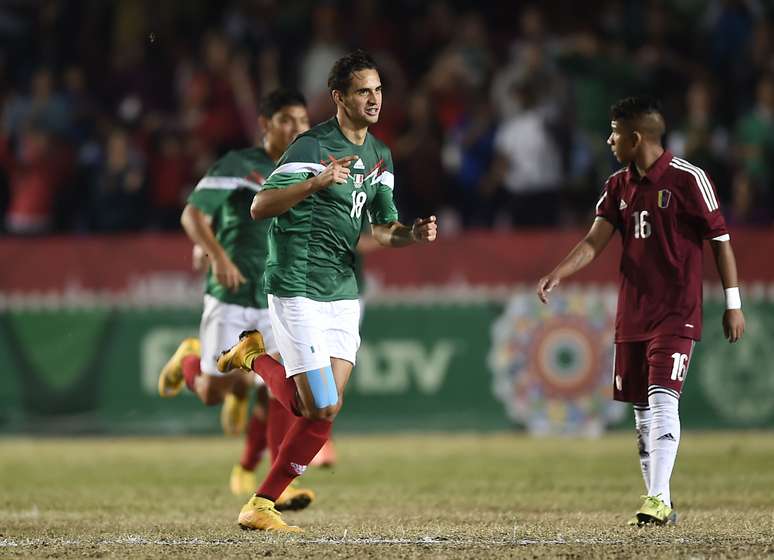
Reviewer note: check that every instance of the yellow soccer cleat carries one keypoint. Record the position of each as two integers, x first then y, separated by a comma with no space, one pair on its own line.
654,511
242,481
259,515
233,415
242,354
294,499
171,377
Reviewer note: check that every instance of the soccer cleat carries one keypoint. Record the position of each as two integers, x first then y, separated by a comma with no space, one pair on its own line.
326,457
654,511
241,355
233,415
671,520
242,481
294,499
259,514
171,377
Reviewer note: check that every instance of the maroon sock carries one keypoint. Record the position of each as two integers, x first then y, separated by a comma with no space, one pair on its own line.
273,373
191,366
301,444
255,443
280,420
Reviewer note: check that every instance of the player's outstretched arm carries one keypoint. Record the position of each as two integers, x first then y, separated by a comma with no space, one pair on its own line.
733,318
582,254
395,234
273,202
197,225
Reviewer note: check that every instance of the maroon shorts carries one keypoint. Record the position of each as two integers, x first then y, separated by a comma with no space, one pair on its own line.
661,361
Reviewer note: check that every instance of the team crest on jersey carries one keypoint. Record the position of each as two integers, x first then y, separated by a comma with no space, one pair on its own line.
664,196
359,178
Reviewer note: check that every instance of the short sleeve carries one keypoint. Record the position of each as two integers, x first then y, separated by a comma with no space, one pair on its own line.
607,207
300,162
381,209
701,202
221,180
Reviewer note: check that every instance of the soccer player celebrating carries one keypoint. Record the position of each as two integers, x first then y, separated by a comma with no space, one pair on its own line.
323,184
217,219
664,208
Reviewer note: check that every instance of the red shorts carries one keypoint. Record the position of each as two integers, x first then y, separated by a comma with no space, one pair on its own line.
661,361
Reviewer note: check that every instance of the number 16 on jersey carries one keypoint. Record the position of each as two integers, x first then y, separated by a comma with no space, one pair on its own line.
642,229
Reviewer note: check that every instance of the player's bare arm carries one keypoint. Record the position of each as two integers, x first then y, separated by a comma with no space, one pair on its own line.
395,234
582,254
733,318
197,226
273,202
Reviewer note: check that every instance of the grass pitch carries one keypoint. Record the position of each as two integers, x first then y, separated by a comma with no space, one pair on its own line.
428,496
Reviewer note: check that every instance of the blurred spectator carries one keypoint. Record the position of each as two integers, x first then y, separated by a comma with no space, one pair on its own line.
755,141
467,158
530,60
326,47
170,181
527,168
700,138
35,178
118,189
417,159
43,106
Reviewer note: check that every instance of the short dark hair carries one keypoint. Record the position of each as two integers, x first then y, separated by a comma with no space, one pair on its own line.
631,108
279,98
340,77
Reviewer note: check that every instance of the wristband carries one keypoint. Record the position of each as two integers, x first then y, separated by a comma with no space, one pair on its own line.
733,299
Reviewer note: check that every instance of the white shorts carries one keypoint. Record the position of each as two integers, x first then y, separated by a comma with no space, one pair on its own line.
309,333
220,328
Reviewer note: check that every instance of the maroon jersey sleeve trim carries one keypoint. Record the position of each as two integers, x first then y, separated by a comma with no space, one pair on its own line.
702,182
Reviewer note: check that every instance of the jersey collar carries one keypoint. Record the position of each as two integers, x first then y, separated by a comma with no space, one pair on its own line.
655,172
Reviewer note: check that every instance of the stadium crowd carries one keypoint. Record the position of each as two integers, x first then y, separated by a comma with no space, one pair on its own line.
496,112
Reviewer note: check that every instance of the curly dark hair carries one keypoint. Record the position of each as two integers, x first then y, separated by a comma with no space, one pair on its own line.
340,77
279,98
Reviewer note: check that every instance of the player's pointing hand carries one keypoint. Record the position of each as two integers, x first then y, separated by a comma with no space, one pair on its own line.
337,172
425,230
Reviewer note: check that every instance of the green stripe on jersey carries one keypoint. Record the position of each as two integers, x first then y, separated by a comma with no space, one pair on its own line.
312,245
226,193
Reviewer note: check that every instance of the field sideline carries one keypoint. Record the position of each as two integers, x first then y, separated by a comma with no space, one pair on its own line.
402,496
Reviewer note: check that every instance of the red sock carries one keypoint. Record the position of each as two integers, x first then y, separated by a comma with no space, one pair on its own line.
191,366
255,443
280,420
302,442
273,373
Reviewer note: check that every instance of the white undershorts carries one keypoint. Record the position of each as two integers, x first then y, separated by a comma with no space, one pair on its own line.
220,328
309,333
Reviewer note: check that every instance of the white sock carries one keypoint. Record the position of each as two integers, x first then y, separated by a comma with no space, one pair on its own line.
642,419
664,439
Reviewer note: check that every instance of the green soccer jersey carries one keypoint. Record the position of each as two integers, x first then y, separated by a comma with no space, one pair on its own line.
225,193
312,245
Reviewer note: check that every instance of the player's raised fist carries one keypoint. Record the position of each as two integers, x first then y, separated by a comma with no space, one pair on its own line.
545,285
425,230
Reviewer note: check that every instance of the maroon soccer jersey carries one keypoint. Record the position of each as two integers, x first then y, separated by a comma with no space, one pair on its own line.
664,218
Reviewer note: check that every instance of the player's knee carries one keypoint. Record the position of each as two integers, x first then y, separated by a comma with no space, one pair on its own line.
326,413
